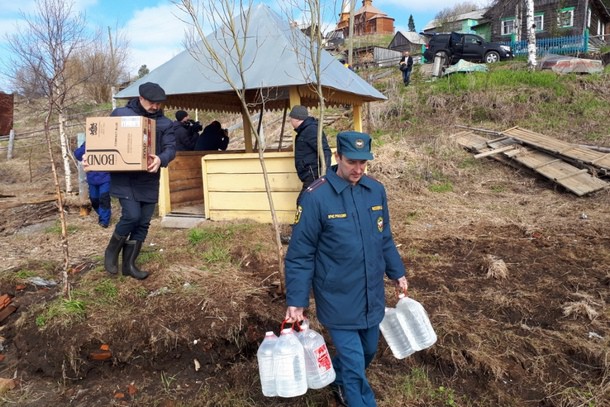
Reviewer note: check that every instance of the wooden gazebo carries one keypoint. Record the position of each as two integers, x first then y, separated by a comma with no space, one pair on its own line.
277,74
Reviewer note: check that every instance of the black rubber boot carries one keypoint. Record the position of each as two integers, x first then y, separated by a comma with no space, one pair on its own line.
111,255
131,250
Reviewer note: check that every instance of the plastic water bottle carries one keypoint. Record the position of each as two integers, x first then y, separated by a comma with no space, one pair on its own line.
395,335
266,371
289,365
318,364
415,321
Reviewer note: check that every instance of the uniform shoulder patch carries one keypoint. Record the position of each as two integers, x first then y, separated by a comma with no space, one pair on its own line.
316,184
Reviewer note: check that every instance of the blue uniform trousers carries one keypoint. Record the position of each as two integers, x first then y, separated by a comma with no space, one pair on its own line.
99,195
135,219
355,351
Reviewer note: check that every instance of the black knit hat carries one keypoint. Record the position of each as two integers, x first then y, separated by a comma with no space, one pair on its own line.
180,115
152,92
299,112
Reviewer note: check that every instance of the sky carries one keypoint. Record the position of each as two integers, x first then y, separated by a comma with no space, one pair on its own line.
156,33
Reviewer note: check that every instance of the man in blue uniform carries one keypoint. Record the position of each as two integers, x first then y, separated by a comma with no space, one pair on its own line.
138,191
341,247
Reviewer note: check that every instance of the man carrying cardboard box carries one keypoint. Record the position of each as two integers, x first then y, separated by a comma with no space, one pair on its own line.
138,191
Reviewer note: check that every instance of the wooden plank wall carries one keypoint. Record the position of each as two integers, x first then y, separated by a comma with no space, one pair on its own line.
182,182
184,174
234,187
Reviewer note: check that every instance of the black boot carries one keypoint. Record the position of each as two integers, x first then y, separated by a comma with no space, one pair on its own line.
111,256
131,250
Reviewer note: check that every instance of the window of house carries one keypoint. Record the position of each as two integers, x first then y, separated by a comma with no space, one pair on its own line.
539,21
507,26
566,17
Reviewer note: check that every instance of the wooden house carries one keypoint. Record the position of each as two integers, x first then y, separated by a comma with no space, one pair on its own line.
553,18
6,113
461,23
408,41
367,20
226,185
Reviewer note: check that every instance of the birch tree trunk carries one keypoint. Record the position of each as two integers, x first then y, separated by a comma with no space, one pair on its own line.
60,206
531,35
65,152
221,16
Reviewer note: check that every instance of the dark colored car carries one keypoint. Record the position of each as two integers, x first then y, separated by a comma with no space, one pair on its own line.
470,47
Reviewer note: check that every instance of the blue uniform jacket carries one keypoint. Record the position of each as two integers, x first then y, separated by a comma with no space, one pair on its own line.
342,246
143,186
93,177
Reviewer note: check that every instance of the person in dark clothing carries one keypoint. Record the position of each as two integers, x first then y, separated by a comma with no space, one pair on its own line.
138,191
306,159
406,66
213,137
186,131
99,190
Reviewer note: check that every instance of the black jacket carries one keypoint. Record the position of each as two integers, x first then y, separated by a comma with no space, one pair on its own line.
143,186
408,61
306,151
213,138
186,135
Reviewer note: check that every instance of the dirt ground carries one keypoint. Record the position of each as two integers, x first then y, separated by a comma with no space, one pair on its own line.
512,270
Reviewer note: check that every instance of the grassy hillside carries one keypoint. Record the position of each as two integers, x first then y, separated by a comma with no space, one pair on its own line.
534,335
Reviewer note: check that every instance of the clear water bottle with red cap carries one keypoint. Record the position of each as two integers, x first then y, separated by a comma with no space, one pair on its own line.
395,335
414,319
289,365
266,369
318,364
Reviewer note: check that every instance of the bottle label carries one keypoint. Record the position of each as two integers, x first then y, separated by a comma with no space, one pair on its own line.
323,358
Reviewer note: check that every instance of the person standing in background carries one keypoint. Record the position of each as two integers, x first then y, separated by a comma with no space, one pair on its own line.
186,131
306,157
406,65
213,138
138,191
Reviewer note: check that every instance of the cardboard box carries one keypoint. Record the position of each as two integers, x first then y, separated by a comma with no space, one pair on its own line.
119,143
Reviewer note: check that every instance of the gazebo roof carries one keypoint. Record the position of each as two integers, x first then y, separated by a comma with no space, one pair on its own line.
275,58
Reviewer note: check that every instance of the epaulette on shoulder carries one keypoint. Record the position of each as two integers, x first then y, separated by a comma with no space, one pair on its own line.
316,184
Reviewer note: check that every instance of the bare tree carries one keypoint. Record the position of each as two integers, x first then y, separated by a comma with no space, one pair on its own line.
224,54
45,50
312,13
105,65
446,18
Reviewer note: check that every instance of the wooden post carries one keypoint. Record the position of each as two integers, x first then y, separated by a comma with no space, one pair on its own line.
247,132
11,142
357,117
295,99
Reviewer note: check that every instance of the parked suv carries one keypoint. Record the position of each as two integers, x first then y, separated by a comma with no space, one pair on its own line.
455,46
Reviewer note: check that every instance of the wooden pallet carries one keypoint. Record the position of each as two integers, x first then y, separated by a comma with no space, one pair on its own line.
508,151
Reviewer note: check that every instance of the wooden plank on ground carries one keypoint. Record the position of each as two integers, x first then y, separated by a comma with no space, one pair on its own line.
494,151
571,151
570,177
